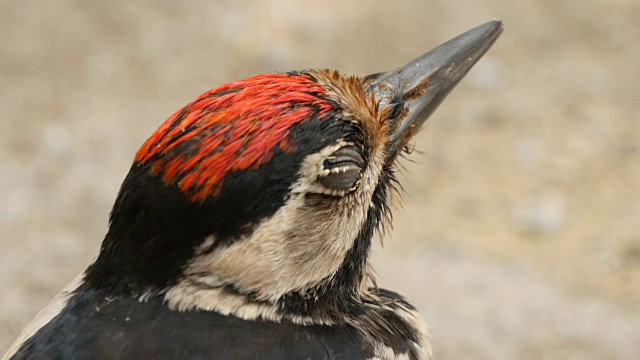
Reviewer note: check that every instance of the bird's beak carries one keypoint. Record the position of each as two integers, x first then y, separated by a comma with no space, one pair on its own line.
427,80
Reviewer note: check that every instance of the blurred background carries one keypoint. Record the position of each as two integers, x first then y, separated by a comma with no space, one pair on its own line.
519,236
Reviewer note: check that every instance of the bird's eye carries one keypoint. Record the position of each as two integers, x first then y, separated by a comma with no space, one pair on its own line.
342,169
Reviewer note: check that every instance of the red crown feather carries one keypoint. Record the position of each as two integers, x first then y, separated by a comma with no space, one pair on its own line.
232,128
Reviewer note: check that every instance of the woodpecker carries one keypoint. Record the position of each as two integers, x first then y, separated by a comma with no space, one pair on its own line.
244,226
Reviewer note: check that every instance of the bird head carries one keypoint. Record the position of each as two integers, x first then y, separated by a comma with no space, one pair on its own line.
272,187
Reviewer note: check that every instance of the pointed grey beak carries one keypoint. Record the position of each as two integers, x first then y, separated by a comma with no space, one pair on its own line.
424,82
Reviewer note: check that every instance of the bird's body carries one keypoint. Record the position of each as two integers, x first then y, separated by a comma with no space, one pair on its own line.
96,326
244,227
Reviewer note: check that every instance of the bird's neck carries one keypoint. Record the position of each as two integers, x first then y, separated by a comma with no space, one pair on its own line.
387,323
324,303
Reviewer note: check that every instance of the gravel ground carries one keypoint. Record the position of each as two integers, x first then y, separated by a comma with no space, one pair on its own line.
518,238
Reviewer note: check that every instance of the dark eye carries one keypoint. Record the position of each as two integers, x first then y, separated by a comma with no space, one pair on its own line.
342,169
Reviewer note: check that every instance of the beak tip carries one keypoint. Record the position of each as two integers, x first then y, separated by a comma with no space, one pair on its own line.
495,27
496,23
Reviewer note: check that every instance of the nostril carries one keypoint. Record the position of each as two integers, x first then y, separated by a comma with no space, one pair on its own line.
396,110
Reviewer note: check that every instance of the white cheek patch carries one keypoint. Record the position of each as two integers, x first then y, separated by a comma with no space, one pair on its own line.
301,245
